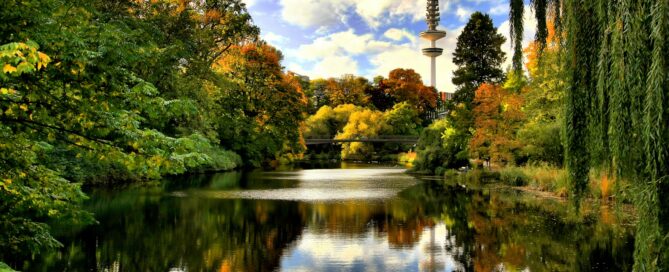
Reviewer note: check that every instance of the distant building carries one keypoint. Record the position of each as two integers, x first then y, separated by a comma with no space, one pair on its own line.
444,96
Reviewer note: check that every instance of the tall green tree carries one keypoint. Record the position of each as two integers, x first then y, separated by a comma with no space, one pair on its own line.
479,57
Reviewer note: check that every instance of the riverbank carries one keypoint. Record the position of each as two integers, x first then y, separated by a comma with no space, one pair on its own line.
545,180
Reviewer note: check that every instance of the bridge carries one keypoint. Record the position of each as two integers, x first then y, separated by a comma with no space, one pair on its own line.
400,139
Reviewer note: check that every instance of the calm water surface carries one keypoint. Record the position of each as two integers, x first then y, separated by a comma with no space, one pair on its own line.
350,218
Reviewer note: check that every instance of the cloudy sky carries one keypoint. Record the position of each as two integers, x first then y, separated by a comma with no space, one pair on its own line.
329,38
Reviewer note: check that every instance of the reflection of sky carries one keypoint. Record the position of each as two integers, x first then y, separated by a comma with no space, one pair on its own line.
322,185
371,252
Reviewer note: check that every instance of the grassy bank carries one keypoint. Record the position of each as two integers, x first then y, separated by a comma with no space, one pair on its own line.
543,178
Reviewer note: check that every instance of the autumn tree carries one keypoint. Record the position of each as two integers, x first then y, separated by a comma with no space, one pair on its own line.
378,95
269,106
365,123
405,85
348,89
543,102
497,116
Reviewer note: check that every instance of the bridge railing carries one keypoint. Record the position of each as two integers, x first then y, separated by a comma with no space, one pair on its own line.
324,139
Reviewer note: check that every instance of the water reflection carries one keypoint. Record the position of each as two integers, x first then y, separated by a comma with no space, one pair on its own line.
187,225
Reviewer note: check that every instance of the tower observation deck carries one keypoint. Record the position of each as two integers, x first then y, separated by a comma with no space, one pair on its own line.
433,35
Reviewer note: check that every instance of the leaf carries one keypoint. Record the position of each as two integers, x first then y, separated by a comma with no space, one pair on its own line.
8,68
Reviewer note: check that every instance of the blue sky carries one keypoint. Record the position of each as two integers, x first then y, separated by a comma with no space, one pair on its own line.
328,38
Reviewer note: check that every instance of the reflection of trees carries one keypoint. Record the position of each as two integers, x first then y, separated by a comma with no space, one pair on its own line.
401,221
141,232
490,229
149,230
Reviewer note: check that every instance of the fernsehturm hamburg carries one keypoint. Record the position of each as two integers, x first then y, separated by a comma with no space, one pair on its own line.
432,35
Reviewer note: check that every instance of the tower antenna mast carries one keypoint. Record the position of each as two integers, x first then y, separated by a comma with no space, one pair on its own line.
433,35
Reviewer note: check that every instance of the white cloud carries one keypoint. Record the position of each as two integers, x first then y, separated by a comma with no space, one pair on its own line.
325,13
463,13
342,43
499,9
273,38
313,13
397,34
334,66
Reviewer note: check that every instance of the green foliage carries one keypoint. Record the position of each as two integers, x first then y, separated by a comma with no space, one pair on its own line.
269,105
615,113
130,90
327,122
516,27
5,268
440,146
478,56
541,143
513,176
402,119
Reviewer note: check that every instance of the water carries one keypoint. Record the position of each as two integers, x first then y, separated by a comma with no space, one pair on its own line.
361,219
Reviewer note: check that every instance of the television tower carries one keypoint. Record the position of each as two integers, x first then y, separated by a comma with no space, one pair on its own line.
433,35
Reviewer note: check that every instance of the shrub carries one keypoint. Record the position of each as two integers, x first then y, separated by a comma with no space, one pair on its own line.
513,176
438,147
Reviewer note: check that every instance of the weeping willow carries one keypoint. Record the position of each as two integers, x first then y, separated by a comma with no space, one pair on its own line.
617,102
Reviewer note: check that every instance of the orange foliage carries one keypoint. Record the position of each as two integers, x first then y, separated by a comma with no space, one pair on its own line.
407,85
605,186
532,50
497,116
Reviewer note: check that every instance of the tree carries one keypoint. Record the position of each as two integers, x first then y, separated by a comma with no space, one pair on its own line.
478,55
378,95
543,98
327,122
497,116
348,89
270,109
365,123
405,85
318,90
615,103
440,147
119,91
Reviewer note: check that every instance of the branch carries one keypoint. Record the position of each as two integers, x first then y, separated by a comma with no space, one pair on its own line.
30,122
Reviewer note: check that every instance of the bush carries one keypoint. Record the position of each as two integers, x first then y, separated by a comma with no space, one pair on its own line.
5,268
543,143
451,173
513,176
438,146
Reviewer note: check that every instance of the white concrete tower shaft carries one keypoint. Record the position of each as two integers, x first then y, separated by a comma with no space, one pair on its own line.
433,35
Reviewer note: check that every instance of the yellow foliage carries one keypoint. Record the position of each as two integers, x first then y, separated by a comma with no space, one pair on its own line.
8,68
361,124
